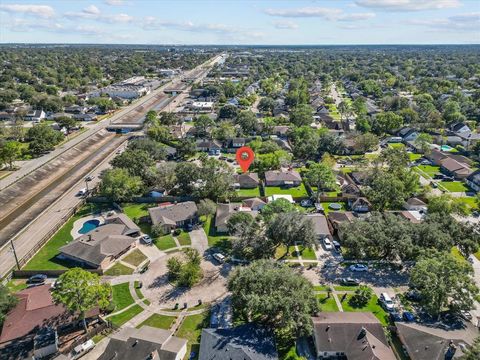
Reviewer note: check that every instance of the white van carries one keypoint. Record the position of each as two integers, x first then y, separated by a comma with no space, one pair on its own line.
82,349
387,302
219,257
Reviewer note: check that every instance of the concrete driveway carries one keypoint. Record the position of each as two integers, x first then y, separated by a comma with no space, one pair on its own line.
199,240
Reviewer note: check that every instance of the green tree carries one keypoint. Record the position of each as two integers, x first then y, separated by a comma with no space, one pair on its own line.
203,123
274,295
228,112
7,302
277,207
266,105
66,122
361,297
423,141
174,268
186,148
296,229
247,122
118,185
158,133
167,118
302,115
443,280
366,142
151,118
386,122
321,176
9,152
81,291
206,207
42,138
472,352
238,221
136,162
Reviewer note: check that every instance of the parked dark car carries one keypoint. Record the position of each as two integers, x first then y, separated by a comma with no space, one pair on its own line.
37,279
408,316
439,176
448,178
395,316
413,295
336,245
349,282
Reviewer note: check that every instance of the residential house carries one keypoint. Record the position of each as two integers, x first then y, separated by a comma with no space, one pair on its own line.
435,341
174,215
415,204
35,115
460,128
350,335
413,216
213,147
100,247
281,130
178,131
244,342
201,106
436,156
34,311
225,212
85,117
246,180
372,108
455,168
473,180
282,178
234,144
359,177
45,343
76,109
233,101
336,218
360,205
144,343
6,116
320,225
256,204
408,134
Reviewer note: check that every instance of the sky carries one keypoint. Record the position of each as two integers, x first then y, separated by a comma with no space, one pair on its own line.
281,22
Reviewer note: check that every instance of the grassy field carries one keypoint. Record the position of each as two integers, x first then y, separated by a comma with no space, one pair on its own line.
372,306
45,259
158,321
307,253
248,192
121,296
184,238
298,191
414,157
16,285
191,329
125,316
326,209
119,269
136,211
135,258
165,242
326,303
138,290
220,240
455,186
396,145
430,170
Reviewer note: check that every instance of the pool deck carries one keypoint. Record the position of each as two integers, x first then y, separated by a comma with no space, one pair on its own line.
77,225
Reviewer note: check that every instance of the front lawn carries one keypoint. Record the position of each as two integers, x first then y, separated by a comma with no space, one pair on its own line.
135,258
296,192
158,321
125,316
430,170
396,145
255,192
306,253
454,186
184,238
121,296
165,242
119,269
414,157
327,304
191,329
372,306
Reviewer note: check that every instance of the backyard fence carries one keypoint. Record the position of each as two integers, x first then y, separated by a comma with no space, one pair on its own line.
25,274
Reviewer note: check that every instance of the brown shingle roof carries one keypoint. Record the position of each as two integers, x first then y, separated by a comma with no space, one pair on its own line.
282,175
171,214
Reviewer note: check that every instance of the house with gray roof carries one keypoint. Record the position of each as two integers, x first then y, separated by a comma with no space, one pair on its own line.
282,178
225,212
350,335
244,342
246,180
173,216
144,343
320,225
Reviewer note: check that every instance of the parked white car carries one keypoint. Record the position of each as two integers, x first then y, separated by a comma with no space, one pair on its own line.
146,239
387,302
82,349
358,267
219,257
328,244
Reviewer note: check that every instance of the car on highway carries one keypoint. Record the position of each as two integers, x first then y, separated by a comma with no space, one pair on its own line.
37,279
349,282
82,192
89,178
328,244
146,239
358,267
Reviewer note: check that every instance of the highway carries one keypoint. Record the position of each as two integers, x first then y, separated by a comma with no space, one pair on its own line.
33,204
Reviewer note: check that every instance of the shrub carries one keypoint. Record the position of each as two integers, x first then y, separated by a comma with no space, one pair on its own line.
159,230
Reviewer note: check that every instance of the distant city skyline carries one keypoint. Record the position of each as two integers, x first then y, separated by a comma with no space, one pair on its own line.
240,22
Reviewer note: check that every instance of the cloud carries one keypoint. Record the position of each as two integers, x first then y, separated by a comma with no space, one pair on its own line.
330,14
114,2
408,5
43,11
460,22
290,25
23,25
93,13
92,9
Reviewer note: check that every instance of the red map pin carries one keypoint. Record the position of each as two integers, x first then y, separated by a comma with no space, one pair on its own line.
245,157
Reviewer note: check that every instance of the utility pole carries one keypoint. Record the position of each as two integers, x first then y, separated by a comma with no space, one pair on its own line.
14,254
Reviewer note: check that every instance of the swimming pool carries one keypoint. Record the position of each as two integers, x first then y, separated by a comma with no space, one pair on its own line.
89,225
446,148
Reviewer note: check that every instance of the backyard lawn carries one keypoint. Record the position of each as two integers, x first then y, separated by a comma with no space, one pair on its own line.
372,306
158,321
125,316
326,209
121,296
215,239
396,145
165,242
296,192
248,192
119,269
414,157
135,258
326,303
471,202
184,238
136,211
306,254
45,259
191,329
454,186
